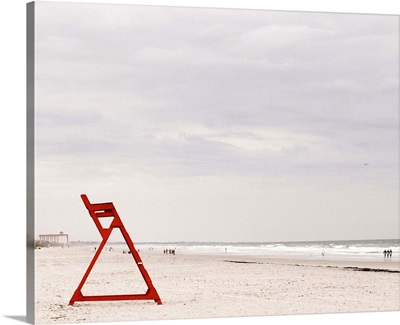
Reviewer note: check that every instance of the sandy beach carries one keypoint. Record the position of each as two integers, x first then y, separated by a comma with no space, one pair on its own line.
209,286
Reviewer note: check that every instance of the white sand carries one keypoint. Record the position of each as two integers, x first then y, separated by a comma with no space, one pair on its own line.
204,286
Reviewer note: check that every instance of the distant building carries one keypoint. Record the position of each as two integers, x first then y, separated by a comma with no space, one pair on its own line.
61,238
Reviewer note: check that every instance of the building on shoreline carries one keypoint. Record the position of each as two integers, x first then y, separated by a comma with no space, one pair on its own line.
58,239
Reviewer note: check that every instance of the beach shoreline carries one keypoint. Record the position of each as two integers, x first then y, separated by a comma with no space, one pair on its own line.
195,286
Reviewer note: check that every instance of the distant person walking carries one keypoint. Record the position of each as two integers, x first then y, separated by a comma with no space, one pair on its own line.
384,253
390,253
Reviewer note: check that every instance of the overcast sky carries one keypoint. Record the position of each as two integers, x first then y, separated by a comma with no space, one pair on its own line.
217,125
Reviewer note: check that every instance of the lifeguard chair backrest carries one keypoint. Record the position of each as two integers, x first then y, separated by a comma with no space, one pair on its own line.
102,210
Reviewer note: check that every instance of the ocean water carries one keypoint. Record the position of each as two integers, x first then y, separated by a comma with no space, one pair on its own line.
350,250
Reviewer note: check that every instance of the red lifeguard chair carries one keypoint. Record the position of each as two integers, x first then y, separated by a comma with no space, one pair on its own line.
100,210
